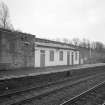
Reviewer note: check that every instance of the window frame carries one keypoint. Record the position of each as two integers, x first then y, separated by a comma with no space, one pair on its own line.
61,55
51,55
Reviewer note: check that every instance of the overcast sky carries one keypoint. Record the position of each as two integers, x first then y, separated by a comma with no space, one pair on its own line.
59,18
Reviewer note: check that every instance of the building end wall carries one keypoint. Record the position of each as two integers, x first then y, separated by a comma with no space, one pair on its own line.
17,50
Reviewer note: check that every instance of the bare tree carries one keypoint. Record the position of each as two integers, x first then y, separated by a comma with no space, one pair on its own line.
4,17
93,45
85,43
65,40
58,39
76,41
99,46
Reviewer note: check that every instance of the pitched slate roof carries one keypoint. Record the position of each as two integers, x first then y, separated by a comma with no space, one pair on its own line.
53,44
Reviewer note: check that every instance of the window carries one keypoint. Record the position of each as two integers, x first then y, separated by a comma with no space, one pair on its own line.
51,55
76,55
61,56
42,51
23,38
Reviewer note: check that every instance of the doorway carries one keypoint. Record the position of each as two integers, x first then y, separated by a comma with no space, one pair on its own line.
68,58
42,58
72,58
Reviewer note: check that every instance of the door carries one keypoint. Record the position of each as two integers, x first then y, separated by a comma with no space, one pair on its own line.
42,58
68,58
72,58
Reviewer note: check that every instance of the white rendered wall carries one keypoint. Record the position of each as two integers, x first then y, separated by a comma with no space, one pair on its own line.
56,57
47,58
64,62
71,56
37,58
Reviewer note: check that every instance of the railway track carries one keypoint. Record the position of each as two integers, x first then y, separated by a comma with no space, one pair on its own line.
20,84
92,96
25,96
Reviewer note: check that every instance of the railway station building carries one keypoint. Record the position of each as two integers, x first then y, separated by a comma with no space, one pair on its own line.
19,50
52,53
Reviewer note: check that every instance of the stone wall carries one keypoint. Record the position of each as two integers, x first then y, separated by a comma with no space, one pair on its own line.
16,50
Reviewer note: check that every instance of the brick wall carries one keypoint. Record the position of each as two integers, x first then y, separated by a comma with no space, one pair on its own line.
17,50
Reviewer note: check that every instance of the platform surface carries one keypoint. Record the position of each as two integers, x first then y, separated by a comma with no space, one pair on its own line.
17,73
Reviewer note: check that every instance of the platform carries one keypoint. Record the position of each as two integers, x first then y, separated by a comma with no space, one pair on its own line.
17,73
